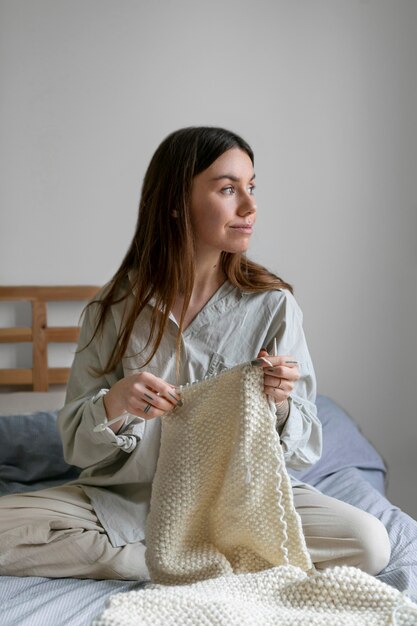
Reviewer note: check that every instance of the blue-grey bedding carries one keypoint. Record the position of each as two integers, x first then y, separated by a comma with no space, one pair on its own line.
31,458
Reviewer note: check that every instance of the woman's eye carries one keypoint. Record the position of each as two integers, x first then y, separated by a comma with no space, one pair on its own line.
230,190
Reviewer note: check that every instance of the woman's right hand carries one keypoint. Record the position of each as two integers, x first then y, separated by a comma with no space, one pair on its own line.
143,395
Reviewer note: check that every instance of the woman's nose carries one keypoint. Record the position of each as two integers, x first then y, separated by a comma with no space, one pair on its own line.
247,205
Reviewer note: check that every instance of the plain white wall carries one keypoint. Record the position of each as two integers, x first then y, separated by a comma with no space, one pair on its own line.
326,93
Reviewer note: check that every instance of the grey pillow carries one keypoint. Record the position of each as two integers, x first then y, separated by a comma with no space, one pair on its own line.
31,449
343,445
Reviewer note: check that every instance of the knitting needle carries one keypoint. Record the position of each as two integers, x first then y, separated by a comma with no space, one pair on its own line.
100,427
275,353
271,400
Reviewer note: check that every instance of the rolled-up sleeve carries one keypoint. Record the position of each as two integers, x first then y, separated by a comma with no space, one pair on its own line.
301,435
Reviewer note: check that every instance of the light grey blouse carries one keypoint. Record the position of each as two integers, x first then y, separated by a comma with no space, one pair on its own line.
117,469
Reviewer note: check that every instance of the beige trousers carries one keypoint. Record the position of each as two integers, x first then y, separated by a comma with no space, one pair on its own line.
55,533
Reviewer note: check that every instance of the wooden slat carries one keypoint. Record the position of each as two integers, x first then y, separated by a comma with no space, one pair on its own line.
48,293
58,375
24,376
40,346
62,334
20,376
15,335
40,376
54,334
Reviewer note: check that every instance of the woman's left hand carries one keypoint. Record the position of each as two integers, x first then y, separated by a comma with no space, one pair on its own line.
279,380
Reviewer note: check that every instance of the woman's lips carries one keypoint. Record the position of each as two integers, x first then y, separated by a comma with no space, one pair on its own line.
243,228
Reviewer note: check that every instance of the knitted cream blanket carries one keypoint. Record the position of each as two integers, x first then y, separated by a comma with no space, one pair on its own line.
224,542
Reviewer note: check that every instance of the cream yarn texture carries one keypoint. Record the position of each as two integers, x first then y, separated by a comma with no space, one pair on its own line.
282,596
221,500
224,542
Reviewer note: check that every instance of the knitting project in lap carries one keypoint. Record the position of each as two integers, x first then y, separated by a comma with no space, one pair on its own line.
224,542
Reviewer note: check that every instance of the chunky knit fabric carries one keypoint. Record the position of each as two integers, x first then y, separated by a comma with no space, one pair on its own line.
284,596
221,500
222,513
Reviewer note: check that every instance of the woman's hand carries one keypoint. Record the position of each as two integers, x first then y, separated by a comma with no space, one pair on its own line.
143,395
279,380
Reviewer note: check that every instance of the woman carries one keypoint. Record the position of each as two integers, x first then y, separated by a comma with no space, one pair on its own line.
185,303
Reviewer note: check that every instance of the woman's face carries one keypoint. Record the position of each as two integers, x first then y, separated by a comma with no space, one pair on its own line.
223,209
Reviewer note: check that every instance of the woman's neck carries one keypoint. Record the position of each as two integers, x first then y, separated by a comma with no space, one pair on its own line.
208,278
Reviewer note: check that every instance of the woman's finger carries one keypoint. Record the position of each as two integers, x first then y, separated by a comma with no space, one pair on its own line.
150,396
157,388
141,394
278,395
147,409
283,372
158,400
274,380
287,359
279,384
284,366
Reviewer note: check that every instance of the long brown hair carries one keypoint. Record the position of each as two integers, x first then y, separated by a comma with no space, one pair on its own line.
160,258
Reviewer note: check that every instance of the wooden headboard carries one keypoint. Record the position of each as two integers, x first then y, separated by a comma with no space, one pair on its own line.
40,376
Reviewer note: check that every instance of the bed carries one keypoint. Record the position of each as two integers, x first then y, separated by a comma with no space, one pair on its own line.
350,469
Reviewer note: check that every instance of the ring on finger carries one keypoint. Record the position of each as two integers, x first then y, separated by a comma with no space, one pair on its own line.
280,382
147,408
